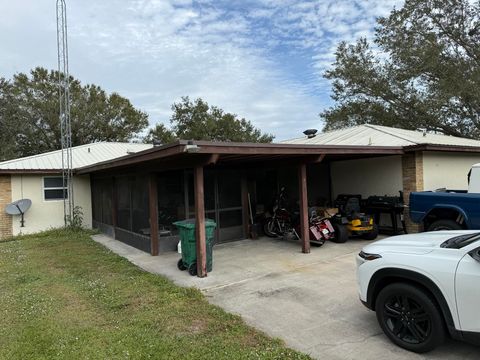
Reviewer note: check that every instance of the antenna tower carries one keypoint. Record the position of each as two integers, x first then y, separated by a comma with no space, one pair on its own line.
64,114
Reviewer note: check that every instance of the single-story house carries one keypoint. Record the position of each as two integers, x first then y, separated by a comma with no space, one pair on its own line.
39,178
136,198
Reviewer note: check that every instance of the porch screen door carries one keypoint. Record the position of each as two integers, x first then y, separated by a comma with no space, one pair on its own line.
223,203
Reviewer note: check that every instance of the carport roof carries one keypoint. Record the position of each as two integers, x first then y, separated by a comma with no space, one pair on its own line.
184,153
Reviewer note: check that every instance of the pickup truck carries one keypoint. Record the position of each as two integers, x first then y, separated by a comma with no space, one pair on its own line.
448,209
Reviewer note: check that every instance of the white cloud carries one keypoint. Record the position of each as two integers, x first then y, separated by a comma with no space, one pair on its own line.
261,59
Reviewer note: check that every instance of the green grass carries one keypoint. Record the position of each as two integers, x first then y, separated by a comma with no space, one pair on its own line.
63,296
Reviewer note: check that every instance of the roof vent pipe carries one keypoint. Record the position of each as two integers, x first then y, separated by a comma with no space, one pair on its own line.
310,133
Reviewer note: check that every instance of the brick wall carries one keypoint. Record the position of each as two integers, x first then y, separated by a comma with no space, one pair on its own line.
5,199
412,174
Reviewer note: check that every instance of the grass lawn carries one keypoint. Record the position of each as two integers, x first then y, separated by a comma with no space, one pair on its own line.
64,296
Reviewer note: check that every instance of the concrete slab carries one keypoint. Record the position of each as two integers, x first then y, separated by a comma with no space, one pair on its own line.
308,300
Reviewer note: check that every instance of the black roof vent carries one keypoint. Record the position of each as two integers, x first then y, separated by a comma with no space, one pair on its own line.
310,133
156,143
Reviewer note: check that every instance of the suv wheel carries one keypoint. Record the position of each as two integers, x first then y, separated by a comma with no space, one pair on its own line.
409,317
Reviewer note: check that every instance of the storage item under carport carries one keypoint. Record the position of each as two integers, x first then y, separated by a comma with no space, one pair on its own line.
390,205
189,244
351,218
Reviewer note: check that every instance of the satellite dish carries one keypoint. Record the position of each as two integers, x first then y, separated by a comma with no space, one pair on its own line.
19,207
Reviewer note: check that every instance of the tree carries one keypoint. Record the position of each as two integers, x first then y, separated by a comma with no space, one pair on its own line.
422,73
29,114
196,120
161,134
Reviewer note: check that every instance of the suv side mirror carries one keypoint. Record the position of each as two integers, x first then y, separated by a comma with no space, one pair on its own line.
475,254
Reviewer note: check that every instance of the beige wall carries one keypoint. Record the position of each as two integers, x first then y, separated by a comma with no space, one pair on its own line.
46,214
373,176
447,170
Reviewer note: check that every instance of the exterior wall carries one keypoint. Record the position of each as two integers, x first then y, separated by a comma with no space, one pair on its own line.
46,214
412,174
447,170
5,199
372,176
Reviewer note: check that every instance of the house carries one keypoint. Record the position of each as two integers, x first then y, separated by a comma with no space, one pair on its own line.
39,178
136,198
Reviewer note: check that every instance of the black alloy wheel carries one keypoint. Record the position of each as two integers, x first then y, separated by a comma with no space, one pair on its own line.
410,317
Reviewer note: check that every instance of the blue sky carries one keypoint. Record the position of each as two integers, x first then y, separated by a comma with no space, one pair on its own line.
261,59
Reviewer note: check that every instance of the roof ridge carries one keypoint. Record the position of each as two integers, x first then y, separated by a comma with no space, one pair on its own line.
374,127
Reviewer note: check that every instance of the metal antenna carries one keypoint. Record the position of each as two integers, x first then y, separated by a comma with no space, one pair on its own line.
64,115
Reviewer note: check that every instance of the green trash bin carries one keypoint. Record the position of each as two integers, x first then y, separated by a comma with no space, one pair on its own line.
189,245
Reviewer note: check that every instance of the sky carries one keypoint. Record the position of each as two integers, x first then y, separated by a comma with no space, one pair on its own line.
260,59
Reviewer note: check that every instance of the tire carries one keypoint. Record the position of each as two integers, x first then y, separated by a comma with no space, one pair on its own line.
181,266
192,269
372,235
341,234
269,227
444,225
410,317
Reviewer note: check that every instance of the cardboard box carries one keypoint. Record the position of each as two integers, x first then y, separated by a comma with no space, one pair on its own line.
327,212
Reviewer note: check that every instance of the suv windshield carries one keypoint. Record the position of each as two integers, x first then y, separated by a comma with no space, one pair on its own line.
459,242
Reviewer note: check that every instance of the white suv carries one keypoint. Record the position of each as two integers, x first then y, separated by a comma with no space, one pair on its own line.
423,286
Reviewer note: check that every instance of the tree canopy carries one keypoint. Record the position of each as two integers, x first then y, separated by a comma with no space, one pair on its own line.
29,114
196,120
421,72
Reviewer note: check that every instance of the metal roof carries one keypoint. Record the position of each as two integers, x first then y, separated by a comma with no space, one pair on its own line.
83,155
375,135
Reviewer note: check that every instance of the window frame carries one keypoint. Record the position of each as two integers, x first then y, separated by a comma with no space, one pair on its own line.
64,188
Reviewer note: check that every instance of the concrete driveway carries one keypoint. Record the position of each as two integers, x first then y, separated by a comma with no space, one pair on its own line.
309,301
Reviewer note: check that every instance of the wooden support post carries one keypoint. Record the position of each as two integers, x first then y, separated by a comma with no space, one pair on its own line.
245,208
302,186
114,203
153,207
200,221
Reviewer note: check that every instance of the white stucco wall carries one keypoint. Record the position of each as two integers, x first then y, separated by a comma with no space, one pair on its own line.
46,214
372,176
447,170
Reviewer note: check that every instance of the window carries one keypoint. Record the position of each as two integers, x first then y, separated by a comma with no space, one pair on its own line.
54,188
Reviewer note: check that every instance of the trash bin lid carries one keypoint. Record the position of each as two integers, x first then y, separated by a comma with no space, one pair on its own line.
210,223
190,223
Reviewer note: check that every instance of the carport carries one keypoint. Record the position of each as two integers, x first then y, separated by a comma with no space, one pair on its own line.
126,192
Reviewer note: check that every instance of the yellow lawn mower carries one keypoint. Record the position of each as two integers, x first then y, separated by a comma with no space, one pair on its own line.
350,221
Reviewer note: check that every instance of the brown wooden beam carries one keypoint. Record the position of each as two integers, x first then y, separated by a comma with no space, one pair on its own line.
317,159
114,202
302,186
212,159
200,221
153,207
245,207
